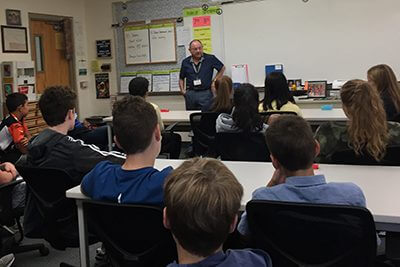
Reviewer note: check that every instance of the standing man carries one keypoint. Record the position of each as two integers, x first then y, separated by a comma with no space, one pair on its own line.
198,70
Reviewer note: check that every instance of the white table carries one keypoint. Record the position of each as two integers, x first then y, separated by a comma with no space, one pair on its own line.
379,184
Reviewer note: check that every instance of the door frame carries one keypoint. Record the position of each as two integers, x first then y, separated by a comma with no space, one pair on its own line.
71,63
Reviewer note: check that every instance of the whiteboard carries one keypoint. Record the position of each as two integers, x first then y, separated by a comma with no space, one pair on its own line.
320,39
163,43
136,45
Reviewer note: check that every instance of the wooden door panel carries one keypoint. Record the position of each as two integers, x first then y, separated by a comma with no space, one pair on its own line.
56,66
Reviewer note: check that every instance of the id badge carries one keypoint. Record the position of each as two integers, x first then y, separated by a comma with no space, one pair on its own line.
197,82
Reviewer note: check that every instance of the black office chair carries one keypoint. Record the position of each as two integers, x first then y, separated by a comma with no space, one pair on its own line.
58,214
348,156
9,217
395,118
203,127
303,234
242,146
133,235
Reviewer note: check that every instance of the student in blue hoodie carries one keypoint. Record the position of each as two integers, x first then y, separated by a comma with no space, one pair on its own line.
137,132
202,201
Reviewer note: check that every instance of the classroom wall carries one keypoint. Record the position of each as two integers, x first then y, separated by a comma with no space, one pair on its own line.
69,8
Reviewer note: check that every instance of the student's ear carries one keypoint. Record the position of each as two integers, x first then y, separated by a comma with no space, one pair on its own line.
275,162
165,219
70,115
117,143
157,133
234,223
317,148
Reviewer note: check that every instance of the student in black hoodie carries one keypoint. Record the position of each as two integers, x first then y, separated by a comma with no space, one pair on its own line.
53,148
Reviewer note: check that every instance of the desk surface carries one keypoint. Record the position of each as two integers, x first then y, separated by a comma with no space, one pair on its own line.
380,184
311,114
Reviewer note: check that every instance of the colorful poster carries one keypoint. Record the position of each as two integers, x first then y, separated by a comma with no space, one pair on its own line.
204,21
102,85
204,35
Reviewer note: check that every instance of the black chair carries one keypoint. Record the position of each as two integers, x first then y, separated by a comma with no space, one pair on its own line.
348,156
9,217
133,235
303,234
203,127
242,146
46,187
395,118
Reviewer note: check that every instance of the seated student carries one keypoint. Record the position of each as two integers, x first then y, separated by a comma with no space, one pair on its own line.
13,130
94,136
53,148
7,174
171,142
244,117
202,201
222,102
293,149
383,78
367,130
136,181
277,96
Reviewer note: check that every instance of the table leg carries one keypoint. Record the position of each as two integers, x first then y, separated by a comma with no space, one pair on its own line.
109,136
83,238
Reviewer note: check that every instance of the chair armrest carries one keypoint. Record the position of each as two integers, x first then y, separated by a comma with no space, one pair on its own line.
12,183
170,127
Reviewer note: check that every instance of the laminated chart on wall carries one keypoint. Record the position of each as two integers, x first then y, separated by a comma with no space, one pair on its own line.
161,81
174,80
162,43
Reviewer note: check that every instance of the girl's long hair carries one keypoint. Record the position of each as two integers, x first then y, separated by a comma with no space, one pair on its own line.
383,77
223,100
276,88
245,113
367,127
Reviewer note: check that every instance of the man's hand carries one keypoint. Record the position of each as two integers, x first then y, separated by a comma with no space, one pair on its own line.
277,178
24,142
10,168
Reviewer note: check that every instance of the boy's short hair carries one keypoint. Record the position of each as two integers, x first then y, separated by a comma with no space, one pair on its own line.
202,197
134,121
291,141
138,86
14,100
55,103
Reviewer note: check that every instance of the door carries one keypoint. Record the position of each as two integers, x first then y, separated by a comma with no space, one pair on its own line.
48,52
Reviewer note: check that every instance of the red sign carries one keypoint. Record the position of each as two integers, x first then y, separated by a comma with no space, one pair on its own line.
203,21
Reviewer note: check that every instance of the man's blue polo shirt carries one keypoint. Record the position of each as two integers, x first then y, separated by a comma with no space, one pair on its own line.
205,70
312,189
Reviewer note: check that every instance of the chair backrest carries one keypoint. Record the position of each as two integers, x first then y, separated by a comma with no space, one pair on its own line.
203,127
395,118
348,156
133,235
242,146
47,187
303,234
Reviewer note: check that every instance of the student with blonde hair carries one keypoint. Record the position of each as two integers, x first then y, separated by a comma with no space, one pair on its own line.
367,130
202,201
383,78
222,102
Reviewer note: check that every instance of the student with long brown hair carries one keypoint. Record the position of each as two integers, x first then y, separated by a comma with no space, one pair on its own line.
383,78
367,130
222,102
